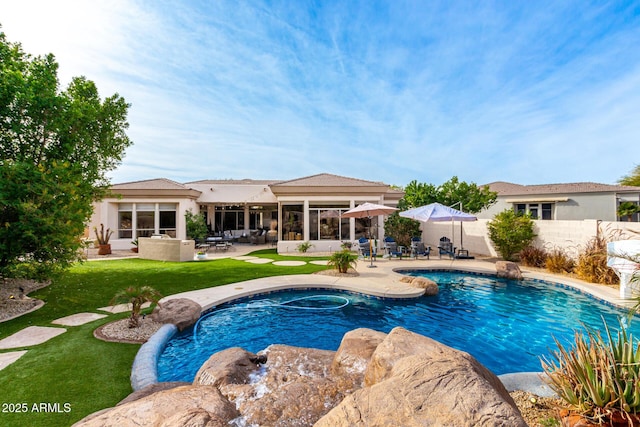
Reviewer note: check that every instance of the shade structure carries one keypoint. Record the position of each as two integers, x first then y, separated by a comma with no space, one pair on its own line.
368,210
438,212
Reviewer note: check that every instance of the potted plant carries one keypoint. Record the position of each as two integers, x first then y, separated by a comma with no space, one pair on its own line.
104,248
343,260
201,254
135,246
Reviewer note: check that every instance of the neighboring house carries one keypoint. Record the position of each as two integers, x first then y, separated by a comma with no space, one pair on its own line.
572,201
303,209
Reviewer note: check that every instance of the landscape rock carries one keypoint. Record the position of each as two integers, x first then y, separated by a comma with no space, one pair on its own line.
436,385
156,409
353,355
508,270
430,287
231,366
182,312
150,389
294,388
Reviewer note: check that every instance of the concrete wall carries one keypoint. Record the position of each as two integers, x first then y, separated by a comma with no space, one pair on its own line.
568,235
166,249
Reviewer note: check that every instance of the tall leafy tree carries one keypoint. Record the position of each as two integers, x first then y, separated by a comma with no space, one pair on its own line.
55,150
471,197
632,179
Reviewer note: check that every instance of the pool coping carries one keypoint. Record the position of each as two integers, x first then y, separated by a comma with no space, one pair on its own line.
382,282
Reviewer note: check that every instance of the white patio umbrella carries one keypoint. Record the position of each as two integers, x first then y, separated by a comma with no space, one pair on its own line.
438,212
369,210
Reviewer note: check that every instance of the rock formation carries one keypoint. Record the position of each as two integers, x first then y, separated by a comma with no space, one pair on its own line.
182,312
508,270
373,379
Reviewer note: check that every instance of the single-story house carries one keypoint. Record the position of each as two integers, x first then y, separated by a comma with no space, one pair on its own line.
302,209
572,201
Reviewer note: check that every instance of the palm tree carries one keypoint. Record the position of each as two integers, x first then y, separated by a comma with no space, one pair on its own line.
136,296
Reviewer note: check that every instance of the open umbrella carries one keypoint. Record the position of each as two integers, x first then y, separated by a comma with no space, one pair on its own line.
369,210
438,212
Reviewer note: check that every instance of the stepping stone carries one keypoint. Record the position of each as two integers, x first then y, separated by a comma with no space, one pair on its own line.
31,335
7,359
121,308
78,319
290,263
319,262
259,261
244,257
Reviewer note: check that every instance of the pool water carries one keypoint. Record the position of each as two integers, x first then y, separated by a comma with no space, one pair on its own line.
505,324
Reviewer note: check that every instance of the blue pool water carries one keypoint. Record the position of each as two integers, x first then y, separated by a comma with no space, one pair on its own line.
507,325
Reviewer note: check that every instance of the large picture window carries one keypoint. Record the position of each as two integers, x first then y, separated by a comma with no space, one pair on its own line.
535,210
328,224
125,221
292,222
167,212
139,219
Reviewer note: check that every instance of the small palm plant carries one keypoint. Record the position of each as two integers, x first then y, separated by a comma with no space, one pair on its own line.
343,260
136,296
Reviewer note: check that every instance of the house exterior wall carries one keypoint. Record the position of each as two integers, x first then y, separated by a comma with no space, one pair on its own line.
581,206
106,212
571,236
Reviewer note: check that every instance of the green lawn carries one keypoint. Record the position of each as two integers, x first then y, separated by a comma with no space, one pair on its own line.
76,374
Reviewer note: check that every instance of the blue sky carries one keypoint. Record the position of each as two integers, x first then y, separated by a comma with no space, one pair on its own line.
529,92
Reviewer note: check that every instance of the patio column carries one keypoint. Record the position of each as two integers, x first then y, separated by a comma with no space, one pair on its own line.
305,221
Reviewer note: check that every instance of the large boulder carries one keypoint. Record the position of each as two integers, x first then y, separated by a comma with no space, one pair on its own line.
293,389
182,312
203,406
353,355
430,287
431,385
231,366
508,270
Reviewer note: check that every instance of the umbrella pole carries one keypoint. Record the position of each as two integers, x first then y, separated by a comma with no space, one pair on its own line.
370,247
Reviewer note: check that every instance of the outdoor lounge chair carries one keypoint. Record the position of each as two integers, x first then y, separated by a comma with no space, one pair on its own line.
364,248
391,247
446,248
418,249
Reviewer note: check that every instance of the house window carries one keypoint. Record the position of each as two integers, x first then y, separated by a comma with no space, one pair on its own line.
535,210
292,222
167,215
328,224
125,221
145,219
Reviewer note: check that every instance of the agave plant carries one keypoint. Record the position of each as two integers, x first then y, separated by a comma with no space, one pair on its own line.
136,296
343,260
598,378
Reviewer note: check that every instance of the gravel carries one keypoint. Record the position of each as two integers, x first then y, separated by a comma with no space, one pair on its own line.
13,297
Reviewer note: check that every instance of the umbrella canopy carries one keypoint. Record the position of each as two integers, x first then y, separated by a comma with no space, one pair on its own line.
437,212
367,210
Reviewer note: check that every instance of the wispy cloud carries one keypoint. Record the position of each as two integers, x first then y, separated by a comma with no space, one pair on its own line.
391,91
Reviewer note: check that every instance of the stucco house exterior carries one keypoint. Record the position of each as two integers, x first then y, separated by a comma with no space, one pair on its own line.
302,209
571,201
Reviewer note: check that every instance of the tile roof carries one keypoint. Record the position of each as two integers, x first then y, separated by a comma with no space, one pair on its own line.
150,184
328,180
235,181
511,189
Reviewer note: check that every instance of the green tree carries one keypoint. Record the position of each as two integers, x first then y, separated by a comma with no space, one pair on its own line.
632,179
401,229
196,225
627,210
136,296
458,194
510,233
55,150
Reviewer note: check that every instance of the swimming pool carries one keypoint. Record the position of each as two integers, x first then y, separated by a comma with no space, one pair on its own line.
505,324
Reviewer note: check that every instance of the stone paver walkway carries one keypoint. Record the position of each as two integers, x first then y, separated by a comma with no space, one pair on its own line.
7,359
78,319
32,335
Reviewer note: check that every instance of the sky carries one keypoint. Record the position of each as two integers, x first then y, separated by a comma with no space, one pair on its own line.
530,92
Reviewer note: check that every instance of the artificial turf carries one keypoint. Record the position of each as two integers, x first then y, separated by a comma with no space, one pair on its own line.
72,375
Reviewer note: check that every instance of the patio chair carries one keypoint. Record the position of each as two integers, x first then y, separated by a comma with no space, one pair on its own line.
446,248
364,248
392,250
420,250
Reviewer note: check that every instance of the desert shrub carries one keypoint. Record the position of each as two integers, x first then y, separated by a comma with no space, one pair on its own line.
597,378
533,256
558,261
343,260
304,247
592,262
510,232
